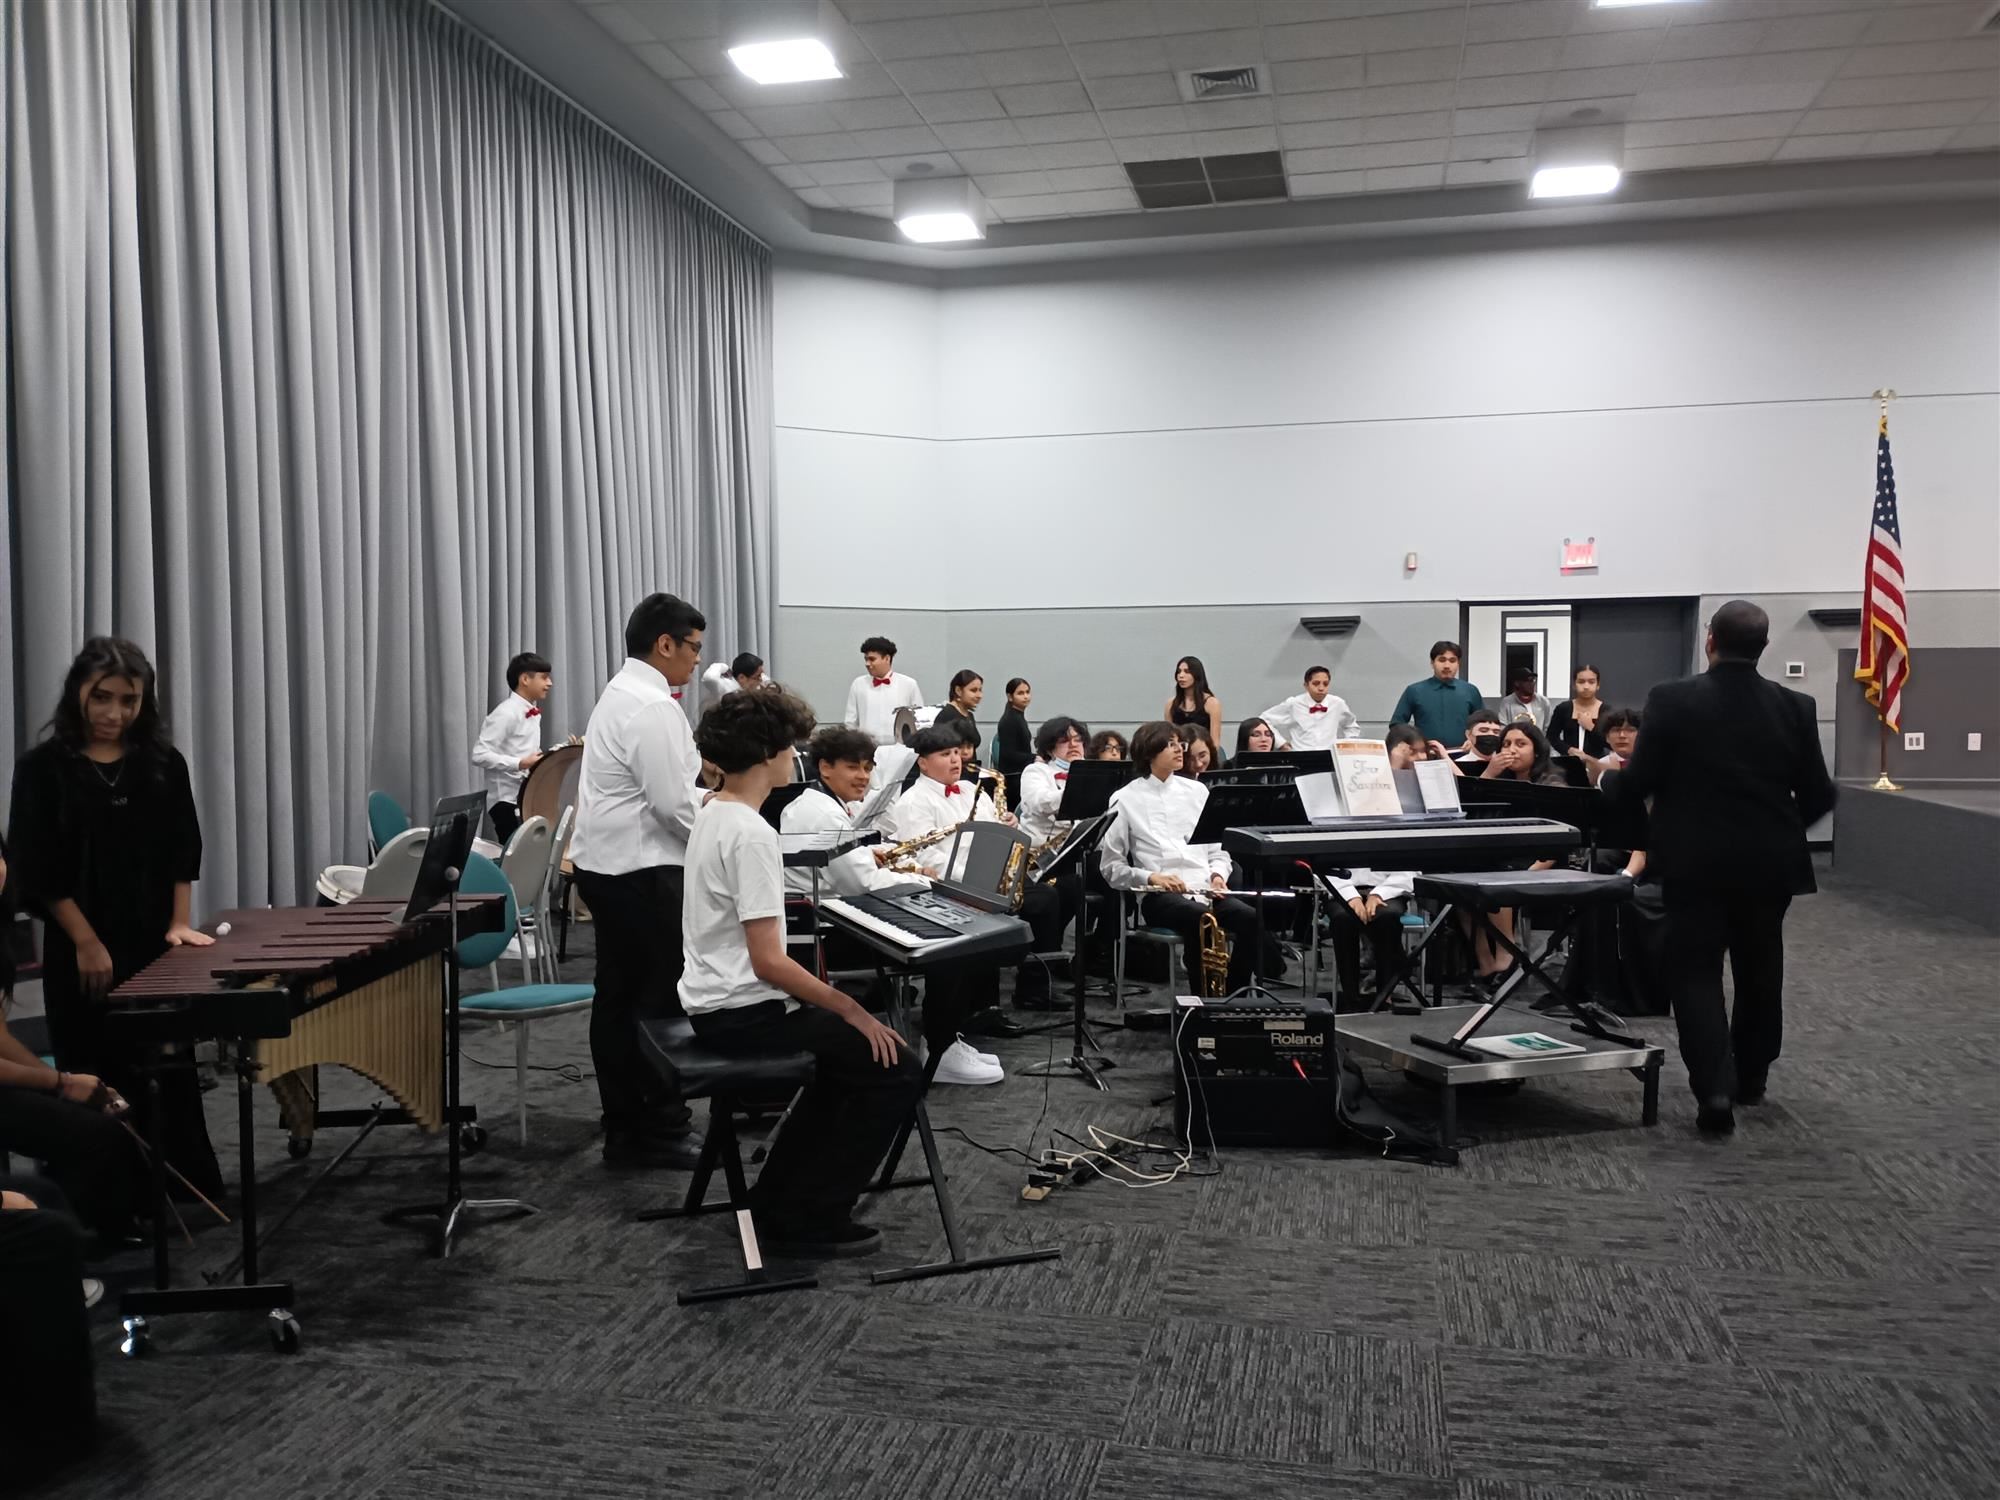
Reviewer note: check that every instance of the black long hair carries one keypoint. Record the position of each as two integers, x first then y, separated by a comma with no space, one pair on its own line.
1243,734
146,739
1543,770
1201,690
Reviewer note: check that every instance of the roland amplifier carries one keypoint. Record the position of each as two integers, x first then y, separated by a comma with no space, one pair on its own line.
1254,1073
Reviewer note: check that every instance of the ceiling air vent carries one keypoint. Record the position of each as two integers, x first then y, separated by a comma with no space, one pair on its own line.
1198,84
1197,181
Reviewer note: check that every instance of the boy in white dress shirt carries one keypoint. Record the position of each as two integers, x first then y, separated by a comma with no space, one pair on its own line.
1314,719
746,996
1147,850
510,741
1040,791
743,674
874,696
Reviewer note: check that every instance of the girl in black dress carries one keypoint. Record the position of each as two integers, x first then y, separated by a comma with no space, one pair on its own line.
1014,741
107,848
967,688
1573,727
1193,701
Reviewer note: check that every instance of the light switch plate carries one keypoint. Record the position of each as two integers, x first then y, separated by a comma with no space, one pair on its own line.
1795,669
1972,742
1914,741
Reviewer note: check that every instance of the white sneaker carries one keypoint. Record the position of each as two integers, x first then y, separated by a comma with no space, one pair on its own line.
960,1064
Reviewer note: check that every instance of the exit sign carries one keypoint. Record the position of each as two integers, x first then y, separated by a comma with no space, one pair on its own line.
1579,557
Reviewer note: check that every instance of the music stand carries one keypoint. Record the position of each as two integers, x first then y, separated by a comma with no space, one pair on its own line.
1087,793
1083,839
1252,805
454,822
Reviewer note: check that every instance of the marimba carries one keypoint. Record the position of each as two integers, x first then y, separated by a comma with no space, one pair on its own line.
294,987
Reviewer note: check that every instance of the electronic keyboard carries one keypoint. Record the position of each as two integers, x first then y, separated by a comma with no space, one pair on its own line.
1396,844
914,925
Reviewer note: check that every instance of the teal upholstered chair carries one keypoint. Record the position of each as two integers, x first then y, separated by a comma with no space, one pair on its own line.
516,1005
386,819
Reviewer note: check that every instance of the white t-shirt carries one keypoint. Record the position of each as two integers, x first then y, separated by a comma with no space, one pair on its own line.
735,874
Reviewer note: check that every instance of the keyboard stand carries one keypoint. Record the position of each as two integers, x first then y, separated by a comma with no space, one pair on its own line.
957,1262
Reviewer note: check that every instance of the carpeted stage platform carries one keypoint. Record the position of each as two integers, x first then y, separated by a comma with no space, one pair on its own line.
1939,844
1583,1310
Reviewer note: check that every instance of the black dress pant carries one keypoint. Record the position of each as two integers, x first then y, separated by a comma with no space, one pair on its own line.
841,1128
506,819
1749,926
1183,915
50,1414
637,917
86,1151
1385,938
85,1042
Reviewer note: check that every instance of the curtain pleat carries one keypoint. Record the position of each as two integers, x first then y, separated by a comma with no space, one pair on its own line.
343,361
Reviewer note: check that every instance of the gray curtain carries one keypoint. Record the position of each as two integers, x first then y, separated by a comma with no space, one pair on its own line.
343,360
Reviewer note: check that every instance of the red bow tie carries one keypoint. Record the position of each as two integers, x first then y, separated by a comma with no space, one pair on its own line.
1062,776
533,713
1317,708
952,790
882,681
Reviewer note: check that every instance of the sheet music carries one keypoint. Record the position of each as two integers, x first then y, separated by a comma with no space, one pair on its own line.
1367,789
1320,796
1438,784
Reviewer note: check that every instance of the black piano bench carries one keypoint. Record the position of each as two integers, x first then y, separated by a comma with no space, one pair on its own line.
671,1047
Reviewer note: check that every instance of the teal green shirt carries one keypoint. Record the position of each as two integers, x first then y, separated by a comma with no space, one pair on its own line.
1438,709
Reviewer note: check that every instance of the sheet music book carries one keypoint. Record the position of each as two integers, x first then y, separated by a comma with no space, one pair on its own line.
1522,1044
1319,796
1367,789
1438,785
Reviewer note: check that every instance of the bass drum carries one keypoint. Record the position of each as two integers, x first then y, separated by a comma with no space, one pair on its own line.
551,786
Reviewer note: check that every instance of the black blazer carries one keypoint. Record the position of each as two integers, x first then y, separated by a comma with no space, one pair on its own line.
1566,734
1014,744
1733,766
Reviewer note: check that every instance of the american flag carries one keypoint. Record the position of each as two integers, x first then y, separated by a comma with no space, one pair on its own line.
1884,660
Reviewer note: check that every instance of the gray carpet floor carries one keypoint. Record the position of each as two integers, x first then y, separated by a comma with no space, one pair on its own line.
1583,1309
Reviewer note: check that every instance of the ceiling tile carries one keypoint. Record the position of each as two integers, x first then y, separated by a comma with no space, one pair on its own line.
1501,169
1433,27
1499,117
1145,121
706,57
1176,16
670,20
959,104
1405,179
1109,59
1231,114
1415,127
896,142
1792,33
1719,128
1908,88
1595,83
812,148
1815,147
1984,135
1350,158
1908,142
1154,147
1134,91
701,95
979,133
998,30
1235,142
1215,49
818,197
936,75
1319,73
1105,20
794,119
1062,154
998,159
1696,73
1495,147
1045,99
1039,129
1609,49
1328,184
1792,67
1743,99
1606,109
1873,117
1685,43
873,114
864,195
1088,179
1514,88
1310,133
1419,65
733,125
626,25
1924,57
1924,23
1013,184
1026,65
1519,20
939,163
1711,154
761,150
1489,58
1315,160
897,41
1324,39
791,177
663,60
840,173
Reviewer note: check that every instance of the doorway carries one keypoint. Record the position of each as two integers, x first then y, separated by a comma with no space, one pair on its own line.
1635,644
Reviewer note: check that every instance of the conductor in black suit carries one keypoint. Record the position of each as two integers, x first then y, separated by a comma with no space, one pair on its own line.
1732,764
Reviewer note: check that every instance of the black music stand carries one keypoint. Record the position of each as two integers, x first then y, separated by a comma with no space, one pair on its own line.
1250,805
454,822
1083,841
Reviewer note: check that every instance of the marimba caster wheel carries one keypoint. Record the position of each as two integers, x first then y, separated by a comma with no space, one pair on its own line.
299,1147
284,1331
471,1138
138,1338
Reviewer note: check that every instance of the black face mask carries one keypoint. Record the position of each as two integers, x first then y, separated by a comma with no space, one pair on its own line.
1487,744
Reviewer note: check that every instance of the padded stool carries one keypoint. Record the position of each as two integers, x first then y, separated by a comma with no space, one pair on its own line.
670,1045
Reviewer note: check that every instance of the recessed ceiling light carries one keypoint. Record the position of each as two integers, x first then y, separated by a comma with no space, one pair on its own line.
938,229
1573,182
797,60
938,210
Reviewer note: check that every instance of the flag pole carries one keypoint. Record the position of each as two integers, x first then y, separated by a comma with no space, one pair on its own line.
1882,782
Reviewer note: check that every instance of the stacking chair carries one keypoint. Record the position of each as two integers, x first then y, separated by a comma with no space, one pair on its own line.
517,1005
386,819
526,863
393,875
